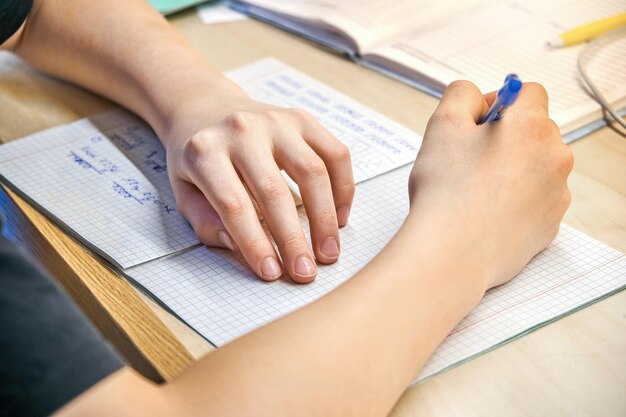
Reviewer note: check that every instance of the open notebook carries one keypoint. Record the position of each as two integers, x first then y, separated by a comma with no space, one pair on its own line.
431,43
104,180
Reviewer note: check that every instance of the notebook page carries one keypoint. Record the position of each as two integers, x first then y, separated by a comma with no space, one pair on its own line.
511,36
215,293
376,143
105,177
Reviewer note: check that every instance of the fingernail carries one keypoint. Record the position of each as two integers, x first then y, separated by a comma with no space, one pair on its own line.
330,248
305,266
270,268
342,215
225,239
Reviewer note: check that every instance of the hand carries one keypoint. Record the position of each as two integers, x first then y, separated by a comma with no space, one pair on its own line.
502,187
223,156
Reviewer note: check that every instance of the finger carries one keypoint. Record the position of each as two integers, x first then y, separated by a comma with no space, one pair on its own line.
203,218
307,169
267,185
462,103
336,158
490,98
533,95
220,184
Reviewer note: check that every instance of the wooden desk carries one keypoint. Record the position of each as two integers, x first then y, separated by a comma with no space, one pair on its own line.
575,366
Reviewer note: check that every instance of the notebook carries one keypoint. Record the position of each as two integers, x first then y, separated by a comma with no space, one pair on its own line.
429,44
104,180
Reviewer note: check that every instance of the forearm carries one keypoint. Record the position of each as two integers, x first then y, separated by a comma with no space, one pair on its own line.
352,352
123,50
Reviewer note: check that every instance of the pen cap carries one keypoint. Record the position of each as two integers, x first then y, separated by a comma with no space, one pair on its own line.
510,90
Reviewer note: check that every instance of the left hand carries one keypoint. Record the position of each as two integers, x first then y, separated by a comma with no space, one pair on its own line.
223,155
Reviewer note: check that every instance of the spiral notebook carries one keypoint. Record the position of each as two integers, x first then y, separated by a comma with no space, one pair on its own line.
104,180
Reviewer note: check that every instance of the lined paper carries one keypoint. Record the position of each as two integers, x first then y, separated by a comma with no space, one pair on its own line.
510,37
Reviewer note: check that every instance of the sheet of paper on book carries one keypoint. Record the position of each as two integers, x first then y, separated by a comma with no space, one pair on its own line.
216,294
105,177
509,37
429,44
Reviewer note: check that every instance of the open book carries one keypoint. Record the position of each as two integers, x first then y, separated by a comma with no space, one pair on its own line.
104,179
429,44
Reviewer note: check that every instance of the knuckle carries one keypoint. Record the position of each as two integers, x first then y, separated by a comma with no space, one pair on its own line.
460,85
230,205
567,199
340,153
271,188
347,190
238,122
301,115
293,240
568,160
536,88
327,219
196,147
275,115
563,160
255,246
312,167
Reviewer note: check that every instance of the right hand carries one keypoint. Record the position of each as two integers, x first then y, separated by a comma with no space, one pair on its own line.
501,187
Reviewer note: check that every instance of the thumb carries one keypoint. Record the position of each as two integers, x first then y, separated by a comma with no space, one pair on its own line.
203,218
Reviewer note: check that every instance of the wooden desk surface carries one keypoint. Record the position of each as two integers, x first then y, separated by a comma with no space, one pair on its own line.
575,366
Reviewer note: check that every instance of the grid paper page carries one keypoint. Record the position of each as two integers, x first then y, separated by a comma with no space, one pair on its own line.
105,179
376,143
215,293
511,36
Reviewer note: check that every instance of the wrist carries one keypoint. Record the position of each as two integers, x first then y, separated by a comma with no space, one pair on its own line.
188,105
444,241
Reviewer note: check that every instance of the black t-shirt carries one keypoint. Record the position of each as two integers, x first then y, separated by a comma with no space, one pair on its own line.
12,15
49,352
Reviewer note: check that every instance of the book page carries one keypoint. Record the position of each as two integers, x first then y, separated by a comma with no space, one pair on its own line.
365,23
105,178
510,37
216,294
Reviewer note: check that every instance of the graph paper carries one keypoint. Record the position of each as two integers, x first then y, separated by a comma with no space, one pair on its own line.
105,180
217,295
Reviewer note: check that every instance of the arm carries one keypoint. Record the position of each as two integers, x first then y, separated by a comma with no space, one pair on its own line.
477,216
218,141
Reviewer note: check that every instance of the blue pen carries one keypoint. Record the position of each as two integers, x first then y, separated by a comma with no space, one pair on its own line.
506,97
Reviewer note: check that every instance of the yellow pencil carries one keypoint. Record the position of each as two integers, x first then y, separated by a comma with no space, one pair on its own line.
589,31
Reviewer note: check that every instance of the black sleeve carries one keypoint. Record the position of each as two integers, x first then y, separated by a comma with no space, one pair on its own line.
12,15
49,352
